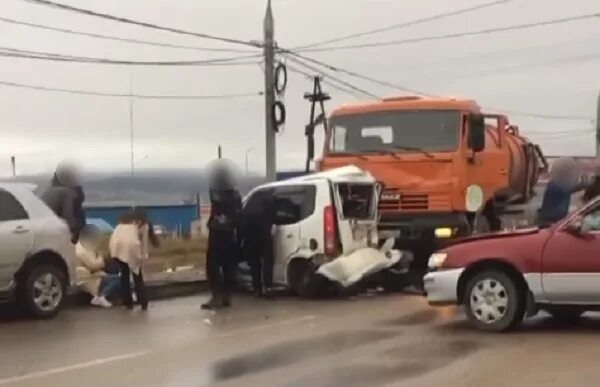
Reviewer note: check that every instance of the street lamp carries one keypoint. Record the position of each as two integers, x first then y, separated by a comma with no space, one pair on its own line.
247,153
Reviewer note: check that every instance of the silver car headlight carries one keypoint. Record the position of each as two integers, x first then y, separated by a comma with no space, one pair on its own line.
436,260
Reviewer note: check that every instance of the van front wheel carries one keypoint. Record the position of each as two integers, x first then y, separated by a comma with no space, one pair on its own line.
302,278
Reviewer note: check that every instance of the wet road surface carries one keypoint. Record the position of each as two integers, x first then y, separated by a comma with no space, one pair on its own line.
388,340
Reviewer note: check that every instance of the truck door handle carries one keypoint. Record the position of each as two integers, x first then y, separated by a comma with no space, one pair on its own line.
289,236
503,171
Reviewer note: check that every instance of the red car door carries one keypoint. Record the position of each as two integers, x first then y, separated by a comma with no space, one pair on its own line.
571,264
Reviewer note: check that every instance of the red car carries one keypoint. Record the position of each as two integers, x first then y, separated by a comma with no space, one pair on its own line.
501,278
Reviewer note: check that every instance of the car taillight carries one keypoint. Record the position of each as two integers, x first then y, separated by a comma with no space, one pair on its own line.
330,230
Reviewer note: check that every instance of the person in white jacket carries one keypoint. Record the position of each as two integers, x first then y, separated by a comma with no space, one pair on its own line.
129,246
90,265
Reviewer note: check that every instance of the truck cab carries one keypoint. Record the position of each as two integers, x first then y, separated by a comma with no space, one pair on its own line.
441,162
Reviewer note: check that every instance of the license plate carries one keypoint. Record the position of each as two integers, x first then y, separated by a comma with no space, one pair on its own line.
386,234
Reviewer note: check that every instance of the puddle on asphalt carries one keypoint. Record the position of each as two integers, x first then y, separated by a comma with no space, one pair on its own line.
394,365
284,354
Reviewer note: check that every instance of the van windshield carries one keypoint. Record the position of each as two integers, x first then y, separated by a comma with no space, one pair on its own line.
398,131
357,200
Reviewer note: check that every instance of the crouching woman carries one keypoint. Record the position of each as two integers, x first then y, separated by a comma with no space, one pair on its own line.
91,270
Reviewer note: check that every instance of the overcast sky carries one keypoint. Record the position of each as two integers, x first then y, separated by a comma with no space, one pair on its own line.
547,70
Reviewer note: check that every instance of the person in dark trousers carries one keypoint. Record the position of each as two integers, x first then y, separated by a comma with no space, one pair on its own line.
557,197
223,241
128,245
65,198
258,218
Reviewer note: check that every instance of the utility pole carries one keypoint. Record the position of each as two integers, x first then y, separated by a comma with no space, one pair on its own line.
13,164
247,153
269,56
219,152
131,125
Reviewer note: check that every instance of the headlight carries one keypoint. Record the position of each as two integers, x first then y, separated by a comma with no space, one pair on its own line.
443,232
437,260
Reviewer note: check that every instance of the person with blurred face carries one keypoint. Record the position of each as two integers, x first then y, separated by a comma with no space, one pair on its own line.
90,266
65,197
223,242
564,181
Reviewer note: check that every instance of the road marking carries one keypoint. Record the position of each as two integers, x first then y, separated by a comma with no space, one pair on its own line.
266,326
74,367
98,362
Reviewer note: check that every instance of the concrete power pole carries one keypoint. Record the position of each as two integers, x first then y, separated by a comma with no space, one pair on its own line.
13,164
269,54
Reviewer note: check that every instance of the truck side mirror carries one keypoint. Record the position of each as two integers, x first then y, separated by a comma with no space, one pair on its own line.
476,136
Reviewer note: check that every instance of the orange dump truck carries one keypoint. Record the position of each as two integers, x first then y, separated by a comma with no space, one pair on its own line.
446,168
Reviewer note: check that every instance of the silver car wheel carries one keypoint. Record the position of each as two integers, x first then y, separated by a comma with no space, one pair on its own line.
47,292
489,300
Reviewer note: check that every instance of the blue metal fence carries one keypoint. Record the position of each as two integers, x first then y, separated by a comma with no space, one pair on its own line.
172,217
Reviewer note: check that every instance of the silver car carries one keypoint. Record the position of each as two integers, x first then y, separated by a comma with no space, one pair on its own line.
36,253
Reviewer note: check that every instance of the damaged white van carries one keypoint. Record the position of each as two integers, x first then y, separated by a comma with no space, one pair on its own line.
326,231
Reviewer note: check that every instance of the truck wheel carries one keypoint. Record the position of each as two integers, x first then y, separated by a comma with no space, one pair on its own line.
493,302
44,291
302,278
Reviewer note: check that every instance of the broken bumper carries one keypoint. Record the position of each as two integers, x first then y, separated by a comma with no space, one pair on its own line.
351,269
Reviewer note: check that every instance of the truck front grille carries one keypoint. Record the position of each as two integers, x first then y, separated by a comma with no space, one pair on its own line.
411,202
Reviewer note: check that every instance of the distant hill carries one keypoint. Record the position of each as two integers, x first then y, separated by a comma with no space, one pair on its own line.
147,186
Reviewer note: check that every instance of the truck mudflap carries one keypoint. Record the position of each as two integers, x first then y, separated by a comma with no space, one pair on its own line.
352,268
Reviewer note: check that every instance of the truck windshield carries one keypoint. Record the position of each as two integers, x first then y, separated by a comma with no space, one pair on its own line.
396,131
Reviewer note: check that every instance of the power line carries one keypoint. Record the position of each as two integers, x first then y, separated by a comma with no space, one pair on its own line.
327,82
119,19
346,84
128,95
454,35
406,24
116,38
27,54
421,93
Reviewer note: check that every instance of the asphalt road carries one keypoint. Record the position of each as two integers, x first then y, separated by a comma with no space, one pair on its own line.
383,340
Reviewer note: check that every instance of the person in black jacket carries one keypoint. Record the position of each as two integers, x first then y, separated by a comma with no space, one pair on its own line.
258,220
65,198
223,244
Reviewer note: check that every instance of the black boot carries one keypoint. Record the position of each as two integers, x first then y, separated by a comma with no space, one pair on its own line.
212,304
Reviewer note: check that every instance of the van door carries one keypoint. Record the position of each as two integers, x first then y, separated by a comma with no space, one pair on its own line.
294,205
357,214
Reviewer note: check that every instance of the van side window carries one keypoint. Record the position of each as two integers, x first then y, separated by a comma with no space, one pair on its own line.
256,202
10,208
294,203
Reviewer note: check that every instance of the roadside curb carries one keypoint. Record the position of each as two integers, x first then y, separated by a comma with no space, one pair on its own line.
155,291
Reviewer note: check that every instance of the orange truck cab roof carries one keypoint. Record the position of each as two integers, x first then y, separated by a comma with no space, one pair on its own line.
408,103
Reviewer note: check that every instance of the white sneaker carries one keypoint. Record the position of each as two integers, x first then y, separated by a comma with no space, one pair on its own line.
101,302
